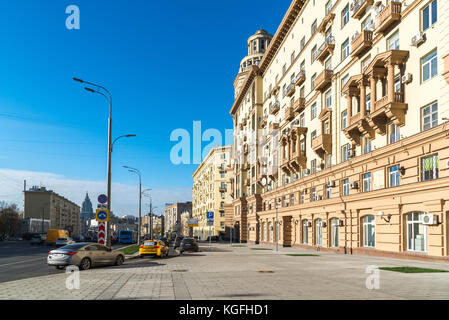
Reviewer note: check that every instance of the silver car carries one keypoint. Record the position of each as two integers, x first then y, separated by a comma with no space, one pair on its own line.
84,255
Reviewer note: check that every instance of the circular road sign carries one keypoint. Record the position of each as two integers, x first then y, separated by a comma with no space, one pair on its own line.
102,198
102,215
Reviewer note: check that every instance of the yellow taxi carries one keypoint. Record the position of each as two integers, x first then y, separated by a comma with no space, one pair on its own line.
155,248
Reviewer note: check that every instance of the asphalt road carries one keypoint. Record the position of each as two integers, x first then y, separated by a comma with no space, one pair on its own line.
20,260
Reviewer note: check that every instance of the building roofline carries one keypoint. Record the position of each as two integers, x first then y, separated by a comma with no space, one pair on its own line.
208,156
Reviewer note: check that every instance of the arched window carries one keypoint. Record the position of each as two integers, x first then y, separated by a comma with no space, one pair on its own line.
369,231
305,231
318,232
416,232
335,224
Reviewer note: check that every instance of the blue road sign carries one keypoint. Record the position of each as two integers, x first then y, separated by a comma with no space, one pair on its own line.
210,215
102,198
102,215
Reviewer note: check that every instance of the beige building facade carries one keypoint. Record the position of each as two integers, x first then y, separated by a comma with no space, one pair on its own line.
172,216
210,192
341,131
41,203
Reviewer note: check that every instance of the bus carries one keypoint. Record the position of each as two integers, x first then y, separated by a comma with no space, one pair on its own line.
126,236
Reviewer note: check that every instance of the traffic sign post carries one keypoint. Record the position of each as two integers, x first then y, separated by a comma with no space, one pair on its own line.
101,232
210,223
102,198
102,216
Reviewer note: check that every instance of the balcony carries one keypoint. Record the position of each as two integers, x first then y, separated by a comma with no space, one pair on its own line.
285,166
275,90
389,15
275,107
222,189
272,171
388,109
327,19
263,122
361,42
359,7
326,49
298,159
289,114
322,145
358,126
290,90
299,105
274,126
300,78
323,80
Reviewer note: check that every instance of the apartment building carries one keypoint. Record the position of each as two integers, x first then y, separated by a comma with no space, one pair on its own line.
172,216
210,192
47,205
341,131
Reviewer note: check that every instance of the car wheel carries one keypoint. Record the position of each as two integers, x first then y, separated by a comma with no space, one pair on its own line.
85,264
119,261
60,267
141,256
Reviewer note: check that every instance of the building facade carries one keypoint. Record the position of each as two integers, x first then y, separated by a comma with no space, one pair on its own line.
172,216
341,131
44,204
210,192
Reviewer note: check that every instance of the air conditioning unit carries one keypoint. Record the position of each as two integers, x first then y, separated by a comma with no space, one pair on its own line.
319,197
306,171
430,219
407,78
418,39
322,165
341,223
355,185
351,153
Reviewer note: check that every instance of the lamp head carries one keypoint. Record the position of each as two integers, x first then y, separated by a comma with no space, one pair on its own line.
79,80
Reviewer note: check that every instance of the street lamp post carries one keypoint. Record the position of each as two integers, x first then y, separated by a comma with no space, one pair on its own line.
134,170
108,97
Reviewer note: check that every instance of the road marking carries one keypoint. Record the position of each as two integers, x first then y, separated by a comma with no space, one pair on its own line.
23,261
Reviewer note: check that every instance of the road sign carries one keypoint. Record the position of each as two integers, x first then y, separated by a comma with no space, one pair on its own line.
102,206
210,222
192,223
102,198
101,233
102,215
210,215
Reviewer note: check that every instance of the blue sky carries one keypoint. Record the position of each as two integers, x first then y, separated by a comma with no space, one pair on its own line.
166,63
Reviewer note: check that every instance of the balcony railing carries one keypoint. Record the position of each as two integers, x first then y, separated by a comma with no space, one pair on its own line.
398,98
322,144
323,79
289,90
355,118
289,114
388,15
361,42
326,48
299,105
300,78
275,107
359,7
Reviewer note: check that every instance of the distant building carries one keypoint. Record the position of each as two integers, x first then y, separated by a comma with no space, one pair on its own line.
44,204
186,231
87,213
172,215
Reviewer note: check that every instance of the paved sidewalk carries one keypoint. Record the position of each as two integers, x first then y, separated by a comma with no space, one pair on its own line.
225,272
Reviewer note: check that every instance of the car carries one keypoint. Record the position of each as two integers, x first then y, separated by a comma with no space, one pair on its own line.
79,238
64,241
38,239
85,255
212,239
188,244
176,242
54,234
155,248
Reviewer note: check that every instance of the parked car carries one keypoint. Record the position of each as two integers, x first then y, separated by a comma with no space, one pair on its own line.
188,244
176,242
156,248
197,238
64,241
79,238
38,239
84,255
212,239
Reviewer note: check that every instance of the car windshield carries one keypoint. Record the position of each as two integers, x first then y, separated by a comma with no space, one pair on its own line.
74,246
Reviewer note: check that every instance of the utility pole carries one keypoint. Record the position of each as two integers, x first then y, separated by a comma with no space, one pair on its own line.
151,218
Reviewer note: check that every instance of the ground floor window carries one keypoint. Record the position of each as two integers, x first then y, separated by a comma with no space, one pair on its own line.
416,232
305,231
335,223
270,232
318,232
264,231
369,231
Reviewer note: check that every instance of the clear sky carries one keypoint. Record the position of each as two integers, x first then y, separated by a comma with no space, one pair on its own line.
166,63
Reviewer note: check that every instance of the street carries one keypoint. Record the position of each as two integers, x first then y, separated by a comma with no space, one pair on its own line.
20,260
225,272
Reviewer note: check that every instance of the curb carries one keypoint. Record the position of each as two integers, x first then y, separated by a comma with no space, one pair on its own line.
132,256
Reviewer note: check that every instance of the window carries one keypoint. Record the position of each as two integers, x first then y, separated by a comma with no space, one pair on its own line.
284,69
314,27
429,66
223,175
416,232
394,176
367,24
366,182
222,224
345,187
314,53
318,232
344,119
328,99
345,50
303,196
345,80
345,152
429,116
305,232
326,127
366,145
292,199
313,194
394,134
329,6
429,15
327,161
345,16
313,166
429,168
368,104
393,41
313,81
328,192
314,111
302,120
292,58
335,223
369,231
303,43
